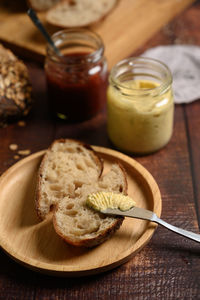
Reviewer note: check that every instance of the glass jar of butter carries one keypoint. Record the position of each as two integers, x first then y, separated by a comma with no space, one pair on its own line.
140,106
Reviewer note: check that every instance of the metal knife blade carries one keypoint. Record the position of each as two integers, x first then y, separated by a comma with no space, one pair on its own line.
144,214
135,212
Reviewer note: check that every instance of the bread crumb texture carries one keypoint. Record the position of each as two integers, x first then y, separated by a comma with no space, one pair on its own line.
79,13
42,5
68,173
76,221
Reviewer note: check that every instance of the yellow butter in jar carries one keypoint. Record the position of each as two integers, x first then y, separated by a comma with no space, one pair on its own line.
140,106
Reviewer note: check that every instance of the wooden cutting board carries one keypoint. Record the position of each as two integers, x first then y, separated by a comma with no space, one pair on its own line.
127,27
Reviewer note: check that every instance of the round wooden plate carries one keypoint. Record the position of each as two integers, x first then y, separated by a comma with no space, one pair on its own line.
36,245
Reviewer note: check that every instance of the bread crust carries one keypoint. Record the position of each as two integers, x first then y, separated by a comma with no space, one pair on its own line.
64,5
92,242
96,157
34,4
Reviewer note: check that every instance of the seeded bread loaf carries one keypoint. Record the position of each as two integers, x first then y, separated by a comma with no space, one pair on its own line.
66,166
15,87
6,54
80,225
77,13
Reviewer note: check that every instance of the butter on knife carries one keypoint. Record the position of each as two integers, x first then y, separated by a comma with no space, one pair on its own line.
102,200
120,205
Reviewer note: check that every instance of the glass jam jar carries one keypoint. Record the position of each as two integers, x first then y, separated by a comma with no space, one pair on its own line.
140,106
76,80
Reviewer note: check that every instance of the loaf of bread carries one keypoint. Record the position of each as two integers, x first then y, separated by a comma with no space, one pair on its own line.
15,87
6,54
41,5
66,166
80,225
69,171
77,13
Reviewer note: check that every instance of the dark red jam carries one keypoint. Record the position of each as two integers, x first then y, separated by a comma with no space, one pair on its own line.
76,91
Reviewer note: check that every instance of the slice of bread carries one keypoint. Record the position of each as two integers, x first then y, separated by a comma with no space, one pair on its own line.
66,166
77,13
41,5
80,225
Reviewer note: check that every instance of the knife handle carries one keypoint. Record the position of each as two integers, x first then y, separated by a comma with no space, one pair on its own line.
191,235
144,214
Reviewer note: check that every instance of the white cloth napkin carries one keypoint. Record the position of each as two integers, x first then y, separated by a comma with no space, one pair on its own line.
184,63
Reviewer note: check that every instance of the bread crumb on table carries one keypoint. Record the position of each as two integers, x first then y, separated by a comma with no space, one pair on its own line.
21,123
16,157
24,152
13,147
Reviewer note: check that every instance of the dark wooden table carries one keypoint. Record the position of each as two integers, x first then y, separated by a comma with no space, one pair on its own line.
169,266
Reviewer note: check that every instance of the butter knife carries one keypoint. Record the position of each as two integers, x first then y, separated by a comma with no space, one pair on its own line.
33,16
144,214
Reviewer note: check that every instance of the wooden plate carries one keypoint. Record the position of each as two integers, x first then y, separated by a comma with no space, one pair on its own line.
36,245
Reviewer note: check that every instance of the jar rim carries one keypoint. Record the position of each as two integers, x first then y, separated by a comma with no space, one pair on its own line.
86,35
132,61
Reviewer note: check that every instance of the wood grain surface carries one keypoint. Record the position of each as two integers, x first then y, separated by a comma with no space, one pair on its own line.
128,26
169,266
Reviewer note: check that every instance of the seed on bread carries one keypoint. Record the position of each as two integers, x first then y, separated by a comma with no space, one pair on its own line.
15,87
